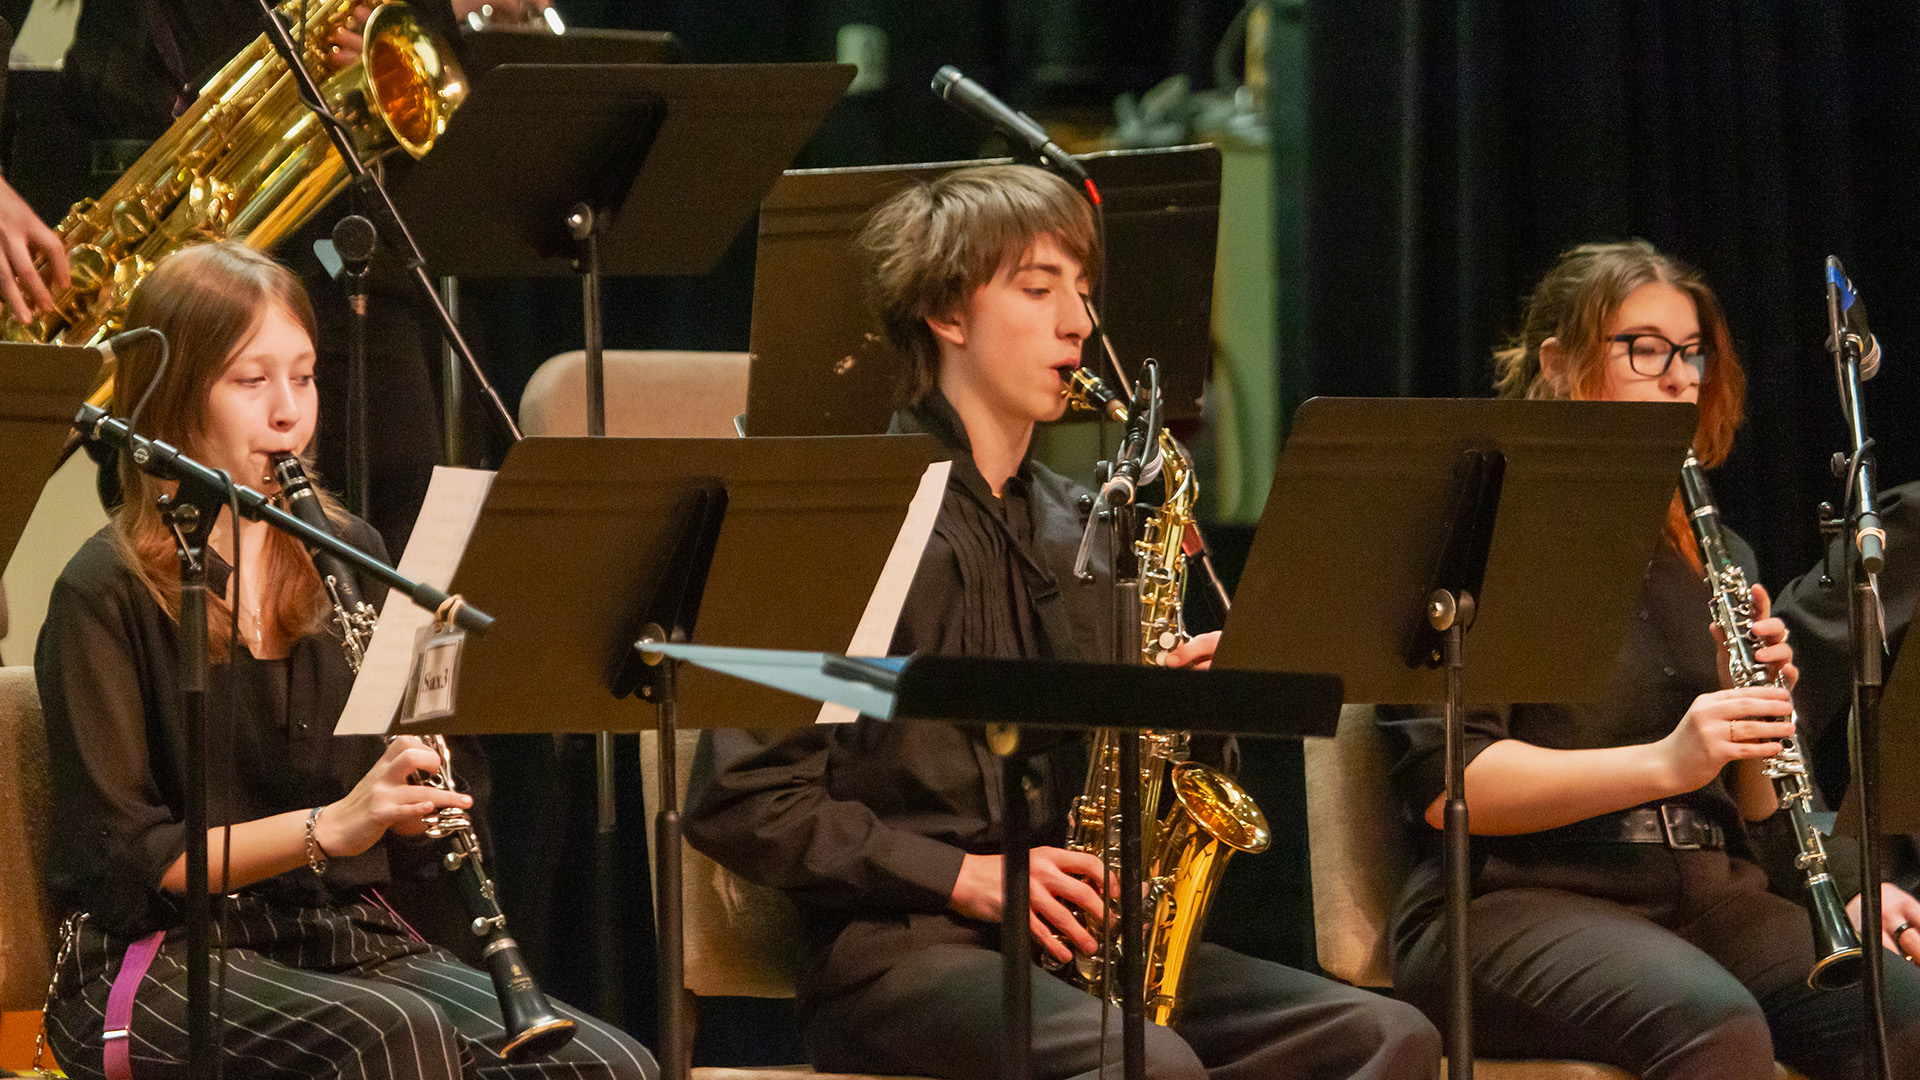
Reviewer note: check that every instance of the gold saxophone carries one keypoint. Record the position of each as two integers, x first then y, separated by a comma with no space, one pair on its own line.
248,161
1184,854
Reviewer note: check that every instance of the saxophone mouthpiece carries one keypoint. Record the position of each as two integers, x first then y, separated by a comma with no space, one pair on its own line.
1085,390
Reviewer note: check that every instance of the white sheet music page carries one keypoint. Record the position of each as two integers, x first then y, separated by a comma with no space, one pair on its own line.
433,553
875,632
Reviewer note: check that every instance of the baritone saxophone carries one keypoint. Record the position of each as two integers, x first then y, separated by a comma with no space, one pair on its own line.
247,161
1209,817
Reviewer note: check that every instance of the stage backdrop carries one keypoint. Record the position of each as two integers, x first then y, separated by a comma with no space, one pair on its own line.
1452,150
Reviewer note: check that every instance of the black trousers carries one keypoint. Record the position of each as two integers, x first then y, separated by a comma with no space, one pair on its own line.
319,992
937,1013
1664,963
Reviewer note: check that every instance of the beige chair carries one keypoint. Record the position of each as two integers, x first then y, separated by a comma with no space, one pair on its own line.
660,395
1360,860
740,937
26,929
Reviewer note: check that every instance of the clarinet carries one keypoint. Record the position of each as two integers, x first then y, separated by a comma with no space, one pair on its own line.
1837,956
533,1028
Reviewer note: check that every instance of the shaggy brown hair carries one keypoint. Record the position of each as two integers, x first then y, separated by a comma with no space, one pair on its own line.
932,245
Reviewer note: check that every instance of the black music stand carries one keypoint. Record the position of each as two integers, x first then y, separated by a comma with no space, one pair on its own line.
596,169
41,386
1899,732
483,50
1395,525
584,546
1008,695
821,365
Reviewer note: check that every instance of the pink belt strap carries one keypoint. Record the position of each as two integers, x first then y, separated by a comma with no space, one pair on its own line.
133,967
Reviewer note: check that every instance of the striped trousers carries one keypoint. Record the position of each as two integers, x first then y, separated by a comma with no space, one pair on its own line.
334,992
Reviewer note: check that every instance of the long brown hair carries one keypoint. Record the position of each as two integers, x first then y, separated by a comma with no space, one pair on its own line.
932,245
206,299
1575,302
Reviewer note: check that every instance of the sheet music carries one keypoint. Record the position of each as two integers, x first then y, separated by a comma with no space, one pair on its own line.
875,631
433,553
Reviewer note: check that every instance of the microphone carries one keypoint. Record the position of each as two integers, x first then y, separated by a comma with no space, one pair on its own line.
970,97
1138,460
109,350
1854,321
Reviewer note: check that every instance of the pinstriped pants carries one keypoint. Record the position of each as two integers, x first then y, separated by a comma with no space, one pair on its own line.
319,992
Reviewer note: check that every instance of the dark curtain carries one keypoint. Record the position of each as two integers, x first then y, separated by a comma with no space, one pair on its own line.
1454,149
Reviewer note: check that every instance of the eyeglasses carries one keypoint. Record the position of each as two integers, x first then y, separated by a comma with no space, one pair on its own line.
1652,354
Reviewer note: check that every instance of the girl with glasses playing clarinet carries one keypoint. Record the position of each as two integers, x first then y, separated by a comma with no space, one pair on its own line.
1619,913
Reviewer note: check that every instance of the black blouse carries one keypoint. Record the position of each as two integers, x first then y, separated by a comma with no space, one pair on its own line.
108,671
1666,660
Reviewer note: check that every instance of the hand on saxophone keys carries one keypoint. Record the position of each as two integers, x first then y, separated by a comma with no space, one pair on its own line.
1059,881
1196,653
32,258
386,799
344,46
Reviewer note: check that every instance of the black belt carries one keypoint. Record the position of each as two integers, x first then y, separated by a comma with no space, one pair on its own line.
1679,827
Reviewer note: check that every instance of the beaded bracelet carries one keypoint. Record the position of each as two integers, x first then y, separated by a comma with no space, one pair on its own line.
316,855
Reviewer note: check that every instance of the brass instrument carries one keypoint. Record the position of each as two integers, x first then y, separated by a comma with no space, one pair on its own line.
248,161
532,1026
1836,949
1210,817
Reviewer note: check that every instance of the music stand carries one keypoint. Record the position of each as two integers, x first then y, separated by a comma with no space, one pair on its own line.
1899,732
483,50
586,545
1007,695
595,169
1394,525
821,365
41,386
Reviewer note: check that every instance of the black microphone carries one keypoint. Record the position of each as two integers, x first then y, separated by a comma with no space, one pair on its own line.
1138,460
970,97
1854,321
109,350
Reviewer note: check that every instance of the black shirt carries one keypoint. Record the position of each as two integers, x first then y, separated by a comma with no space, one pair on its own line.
1666,661
866,823
108,671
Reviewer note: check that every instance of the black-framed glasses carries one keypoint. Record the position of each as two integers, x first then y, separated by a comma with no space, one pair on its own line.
1652,354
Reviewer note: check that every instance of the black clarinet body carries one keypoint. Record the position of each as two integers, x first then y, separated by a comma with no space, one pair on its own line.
1837,955
533,1027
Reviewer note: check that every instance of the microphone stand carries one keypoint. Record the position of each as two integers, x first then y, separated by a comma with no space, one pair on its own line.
355,240
1116,505
1866,555
386,216
190,514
